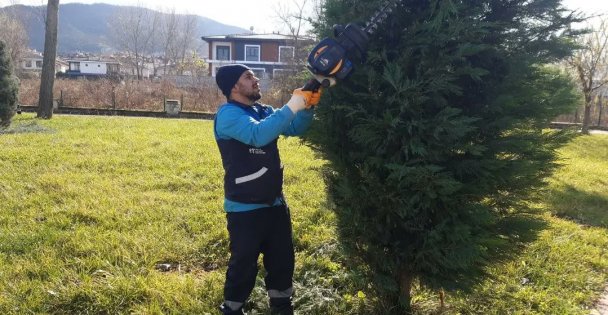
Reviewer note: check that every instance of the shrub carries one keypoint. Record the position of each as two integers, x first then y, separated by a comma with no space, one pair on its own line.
9,88
441,132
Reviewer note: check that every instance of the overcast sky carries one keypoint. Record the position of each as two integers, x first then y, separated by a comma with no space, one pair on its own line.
243,13
258,13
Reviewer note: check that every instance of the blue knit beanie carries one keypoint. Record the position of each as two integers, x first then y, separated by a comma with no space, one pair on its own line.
227,76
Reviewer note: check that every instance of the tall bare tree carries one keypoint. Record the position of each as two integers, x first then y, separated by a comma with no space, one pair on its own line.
155,40
134,29
591,66
14,36
184,41
168,33
296,19
45,100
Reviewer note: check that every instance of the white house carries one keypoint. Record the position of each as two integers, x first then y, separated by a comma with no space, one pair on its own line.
92,68
32,62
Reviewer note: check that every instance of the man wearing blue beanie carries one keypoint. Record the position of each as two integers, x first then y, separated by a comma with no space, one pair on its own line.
258,217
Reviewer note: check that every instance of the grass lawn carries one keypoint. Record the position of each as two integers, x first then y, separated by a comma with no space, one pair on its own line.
110,215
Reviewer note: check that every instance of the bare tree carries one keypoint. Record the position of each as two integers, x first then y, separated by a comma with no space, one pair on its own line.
297,19
45,100
183,44
600,103
168,34
134,30
591,66
14,36
155,40
294,18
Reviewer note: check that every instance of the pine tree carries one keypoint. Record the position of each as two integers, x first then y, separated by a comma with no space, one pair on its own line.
441,132
9,88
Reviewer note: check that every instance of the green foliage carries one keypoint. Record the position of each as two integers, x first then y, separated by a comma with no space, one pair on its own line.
440,133
9,88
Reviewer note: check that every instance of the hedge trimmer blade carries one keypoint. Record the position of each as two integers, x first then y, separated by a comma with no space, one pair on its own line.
380,16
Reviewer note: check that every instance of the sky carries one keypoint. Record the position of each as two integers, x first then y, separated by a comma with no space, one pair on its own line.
261,14
588,7
243,13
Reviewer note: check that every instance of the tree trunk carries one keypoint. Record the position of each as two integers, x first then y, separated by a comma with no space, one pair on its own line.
406,278
587,116
47,81
601,107
137,67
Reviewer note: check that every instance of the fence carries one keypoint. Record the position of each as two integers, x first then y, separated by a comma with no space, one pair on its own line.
195,94
598,115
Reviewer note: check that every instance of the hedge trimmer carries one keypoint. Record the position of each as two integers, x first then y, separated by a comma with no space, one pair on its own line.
332,58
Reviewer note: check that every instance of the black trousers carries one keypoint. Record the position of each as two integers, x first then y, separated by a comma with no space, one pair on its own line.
267,231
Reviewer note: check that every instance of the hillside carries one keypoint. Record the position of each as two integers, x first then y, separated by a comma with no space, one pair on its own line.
84,27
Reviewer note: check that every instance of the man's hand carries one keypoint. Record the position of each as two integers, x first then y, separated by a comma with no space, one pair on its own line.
297,102
315,98
310,98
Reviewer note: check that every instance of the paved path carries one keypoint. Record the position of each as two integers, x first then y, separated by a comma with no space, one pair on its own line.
601,308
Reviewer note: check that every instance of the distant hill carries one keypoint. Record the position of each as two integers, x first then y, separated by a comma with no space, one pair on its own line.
84,27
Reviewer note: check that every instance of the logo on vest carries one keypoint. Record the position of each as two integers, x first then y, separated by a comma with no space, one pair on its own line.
256,151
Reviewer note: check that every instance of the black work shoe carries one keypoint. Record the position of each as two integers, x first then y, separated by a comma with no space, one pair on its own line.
228,311
281,306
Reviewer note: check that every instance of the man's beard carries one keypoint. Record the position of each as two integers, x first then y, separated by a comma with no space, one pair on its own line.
254,96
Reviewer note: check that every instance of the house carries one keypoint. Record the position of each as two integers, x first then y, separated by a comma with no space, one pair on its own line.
32,62
129,70
61,66
266,54
92,69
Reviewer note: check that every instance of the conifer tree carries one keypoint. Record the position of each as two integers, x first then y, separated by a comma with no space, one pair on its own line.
441,132
8,88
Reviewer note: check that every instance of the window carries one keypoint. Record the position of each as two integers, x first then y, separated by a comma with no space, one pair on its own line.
283,73
260,73
222,52
28,63
112,68
75,66
286,53
38,64
252,52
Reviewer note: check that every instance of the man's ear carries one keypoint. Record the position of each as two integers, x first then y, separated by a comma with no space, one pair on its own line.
234,89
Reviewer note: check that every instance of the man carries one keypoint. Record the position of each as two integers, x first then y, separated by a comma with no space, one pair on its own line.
258,216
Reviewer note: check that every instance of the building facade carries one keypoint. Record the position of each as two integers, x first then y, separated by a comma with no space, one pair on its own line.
268,55
92,68
32,62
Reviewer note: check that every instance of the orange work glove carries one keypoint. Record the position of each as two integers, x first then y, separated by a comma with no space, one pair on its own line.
310,98
315,97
